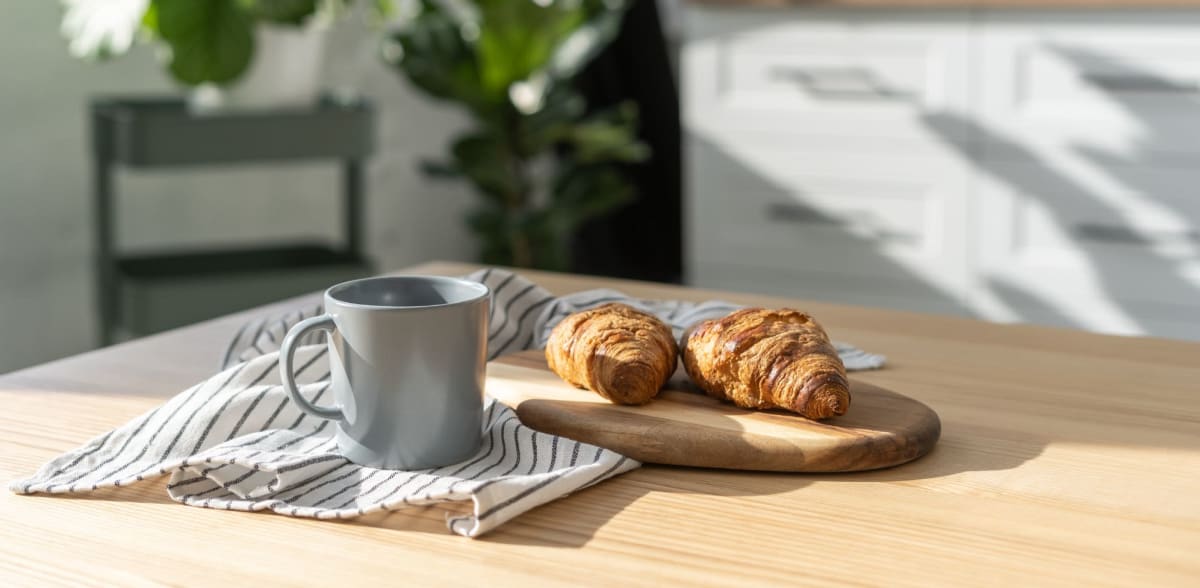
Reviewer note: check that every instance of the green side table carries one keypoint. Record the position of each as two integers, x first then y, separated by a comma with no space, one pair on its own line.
149,292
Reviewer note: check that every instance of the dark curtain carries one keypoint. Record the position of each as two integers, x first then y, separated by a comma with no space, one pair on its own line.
644,239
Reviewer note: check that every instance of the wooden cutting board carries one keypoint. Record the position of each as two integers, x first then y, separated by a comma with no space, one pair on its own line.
684,427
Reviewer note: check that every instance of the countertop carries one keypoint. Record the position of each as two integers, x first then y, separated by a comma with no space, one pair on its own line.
1065,458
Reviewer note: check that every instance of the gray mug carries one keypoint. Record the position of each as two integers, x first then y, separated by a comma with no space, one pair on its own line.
407,356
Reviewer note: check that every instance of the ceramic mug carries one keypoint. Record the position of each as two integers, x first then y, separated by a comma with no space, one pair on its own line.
407,356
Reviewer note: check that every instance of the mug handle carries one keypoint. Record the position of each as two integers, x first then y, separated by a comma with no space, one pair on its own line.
287,357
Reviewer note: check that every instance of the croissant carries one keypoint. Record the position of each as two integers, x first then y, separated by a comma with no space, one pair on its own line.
616,351
760,358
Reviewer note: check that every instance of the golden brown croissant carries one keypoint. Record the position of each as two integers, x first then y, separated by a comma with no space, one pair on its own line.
619,352
760,358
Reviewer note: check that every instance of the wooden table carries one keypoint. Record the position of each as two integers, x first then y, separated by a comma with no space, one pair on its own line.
1066,458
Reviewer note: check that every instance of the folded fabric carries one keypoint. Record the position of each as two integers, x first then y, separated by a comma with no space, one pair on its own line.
235,442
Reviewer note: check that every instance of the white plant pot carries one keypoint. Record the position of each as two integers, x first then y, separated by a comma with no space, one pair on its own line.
285,72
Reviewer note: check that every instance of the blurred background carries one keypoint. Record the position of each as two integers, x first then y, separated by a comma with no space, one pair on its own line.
165,161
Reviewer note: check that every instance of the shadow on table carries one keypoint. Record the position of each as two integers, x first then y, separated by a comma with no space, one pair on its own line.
147,492
589,510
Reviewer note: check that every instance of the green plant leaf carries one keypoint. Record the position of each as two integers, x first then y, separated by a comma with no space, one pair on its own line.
150,20
384,9
599,141
290,12
433,55
518,38
585,192
490,165
210,40
601,26
609,136
552,124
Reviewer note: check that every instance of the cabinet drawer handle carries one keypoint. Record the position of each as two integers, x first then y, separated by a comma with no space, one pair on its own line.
1117,234
854,222
1139,83
837,83
790,212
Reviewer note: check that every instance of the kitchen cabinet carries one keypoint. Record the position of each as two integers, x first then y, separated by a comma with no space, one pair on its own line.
1011,164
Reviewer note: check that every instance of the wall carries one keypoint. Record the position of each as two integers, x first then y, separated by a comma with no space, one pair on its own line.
45,220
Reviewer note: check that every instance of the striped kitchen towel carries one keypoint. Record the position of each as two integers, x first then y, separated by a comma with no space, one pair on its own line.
523,314
235,442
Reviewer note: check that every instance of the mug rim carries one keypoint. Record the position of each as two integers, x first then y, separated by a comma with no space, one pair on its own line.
482,292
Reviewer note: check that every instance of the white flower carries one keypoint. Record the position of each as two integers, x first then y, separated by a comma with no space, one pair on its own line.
102,28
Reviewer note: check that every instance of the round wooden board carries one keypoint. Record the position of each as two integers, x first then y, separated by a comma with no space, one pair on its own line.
682,427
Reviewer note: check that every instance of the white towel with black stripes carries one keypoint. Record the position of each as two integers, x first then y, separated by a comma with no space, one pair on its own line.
235,442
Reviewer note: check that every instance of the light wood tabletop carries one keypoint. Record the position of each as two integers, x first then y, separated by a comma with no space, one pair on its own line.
1065,458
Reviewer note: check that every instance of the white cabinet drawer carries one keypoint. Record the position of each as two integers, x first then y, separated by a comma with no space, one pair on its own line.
1128,235
1123,85
770,206
1021,165
816,72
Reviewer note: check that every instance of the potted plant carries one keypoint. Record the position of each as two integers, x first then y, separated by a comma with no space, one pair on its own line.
540,163
233,53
